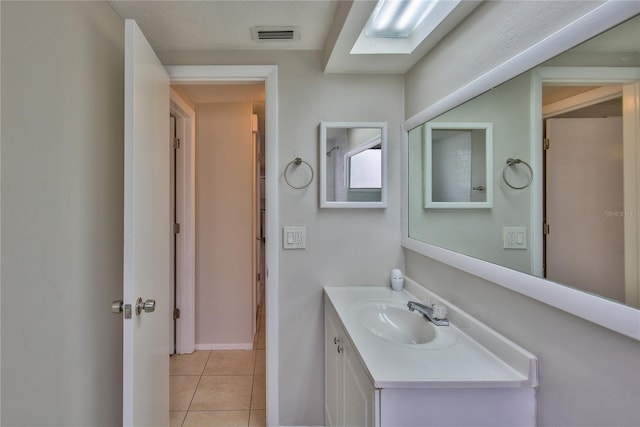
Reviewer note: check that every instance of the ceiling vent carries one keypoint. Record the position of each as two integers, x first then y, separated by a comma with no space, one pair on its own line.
275,33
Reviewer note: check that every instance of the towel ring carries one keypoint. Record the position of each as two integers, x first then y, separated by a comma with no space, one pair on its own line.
297,162
511,162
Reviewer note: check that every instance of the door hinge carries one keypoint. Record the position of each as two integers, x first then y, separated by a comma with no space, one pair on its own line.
176,313
545,228
176,143
258,277
545,143
176,228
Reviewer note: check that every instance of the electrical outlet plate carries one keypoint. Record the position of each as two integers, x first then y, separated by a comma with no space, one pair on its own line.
514,237
294,237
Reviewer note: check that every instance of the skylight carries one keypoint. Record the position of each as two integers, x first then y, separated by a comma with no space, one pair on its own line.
399,26
397,18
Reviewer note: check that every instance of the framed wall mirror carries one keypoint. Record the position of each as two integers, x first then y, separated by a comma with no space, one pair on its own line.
457,157
353,165
590,85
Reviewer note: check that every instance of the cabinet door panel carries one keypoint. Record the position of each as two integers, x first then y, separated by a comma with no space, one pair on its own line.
333,362
358,391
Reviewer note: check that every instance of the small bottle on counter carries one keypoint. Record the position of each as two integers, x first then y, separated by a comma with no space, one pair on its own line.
397,279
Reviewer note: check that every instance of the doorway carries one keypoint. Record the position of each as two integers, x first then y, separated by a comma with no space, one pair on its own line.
228,212
268,76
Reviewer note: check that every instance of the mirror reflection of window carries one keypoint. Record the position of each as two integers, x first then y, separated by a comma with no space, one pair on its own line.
364,169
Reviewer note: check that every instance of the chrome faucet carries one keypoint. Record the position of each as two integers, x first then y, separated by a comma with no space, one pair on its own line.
427,312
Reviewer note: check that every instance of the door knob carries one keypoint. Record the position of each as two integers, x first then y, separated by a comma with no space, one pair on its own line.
149,306
117,306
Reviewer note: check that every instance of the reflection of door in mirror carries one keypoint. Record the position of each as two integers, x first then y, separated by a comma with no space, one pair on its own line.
584,241
584,247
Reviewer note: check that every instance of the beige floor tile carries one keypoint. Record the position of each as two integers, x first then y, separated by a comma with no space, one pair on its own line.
217,419
258,418
176,418
258,393
223,393
259,341
230,362
260,368
188,364
181,391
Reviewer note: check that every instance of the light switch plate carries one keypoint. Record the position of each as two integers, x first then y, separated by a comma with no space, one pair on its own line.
294,237
514,237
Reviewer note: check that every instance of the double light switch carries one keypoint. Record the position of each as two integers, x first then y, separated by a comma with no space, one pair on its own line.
294,237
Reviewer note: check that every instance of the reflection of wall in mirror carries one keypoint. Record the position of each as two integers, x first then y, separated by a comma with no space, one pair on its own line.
478,232
359,136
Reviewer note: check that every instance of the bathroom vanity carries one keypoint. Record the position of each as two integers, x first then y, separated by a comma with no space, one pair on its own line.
388,366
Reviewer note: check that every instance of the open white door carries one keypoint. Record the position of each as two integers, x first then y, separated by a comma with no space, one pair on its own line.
147,232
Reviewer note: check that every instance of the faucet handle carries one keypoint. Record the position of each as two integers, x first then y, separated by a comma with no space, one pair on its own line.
439,311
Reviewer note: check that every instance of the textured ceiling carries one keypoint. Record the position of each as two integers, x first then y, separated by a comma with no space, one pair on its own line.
332,27
226,25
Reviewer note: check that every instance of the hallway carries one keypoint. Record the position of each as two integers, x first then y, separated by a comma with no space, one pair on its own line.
220,387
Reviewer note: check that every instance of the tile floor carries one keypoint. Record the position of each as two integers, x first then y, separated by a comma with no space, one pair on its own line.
220,387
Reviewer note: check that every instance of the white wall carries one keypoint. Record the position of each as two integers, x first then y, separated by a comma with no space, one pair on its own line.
224,239
344,247
62,180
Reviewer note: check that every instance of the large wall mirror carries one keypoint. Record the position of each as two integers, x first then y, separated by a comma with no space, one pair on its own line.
567,209
353,165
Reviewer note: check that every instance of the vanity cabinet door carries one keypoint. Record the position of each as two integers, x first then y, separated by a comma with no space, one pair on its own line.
349,394
333,368
359,394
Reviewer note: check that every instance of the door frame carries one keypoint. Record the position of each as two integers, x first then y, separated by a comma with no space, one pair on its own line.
628,78
199,74
186,216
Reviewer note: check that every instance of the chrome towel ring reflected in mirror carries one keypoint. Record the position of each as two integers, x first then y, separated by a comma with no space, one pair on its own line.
511,162
297,162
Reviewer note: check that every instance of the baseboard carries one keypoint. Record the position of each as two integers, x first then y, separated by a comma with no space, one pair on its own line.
239,346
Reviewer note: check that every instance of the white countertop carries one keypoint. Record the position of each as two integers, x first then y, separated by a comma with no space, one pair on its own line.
462,362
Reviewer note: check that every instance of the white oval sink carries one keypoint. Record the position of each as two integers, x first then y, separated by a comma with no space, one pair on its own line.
394,322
